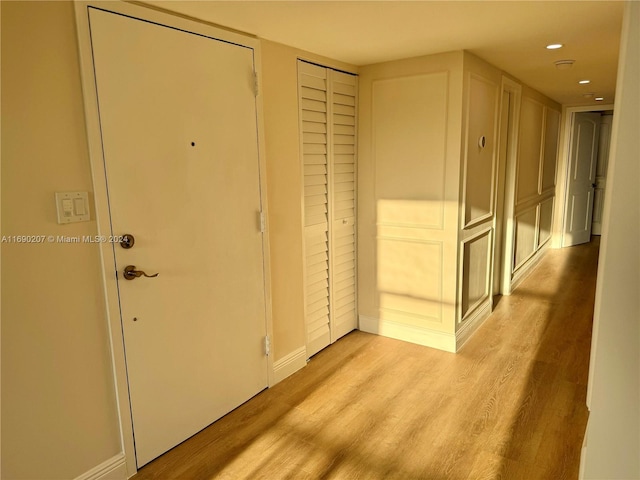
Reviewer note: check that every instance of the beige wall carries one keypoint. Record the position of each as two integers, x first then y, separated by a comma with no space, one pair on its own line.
613,433
284,189
59,415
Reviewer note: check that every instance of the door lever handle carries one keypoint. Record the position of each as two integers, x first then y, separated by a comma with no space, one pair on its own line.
130,273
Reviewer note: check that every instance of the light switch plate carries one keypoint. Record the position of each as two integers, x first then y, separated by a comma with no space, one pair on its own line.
72,207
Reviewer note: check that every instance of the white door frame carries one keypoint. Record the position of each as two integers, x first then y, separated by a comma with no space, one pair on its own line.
509,186
557,231
101,197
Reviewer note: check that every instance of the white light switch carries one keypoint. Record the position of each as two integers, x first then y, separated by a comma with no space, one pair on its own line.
72,207
78,206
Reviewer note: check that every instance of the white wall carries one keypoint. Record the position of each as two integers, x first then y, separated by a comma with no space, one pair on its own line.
613,434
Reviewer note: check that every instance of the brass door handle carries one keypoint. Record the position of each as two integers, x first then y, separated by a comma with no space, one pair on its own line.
130,273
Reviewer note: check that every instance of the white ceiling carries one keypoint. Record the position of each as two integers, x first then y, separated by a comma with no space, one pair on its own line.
511,35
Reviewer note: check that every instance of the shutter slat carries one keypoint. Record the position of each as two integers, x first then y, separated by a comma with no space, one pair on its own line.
314,127
315,149
314,138
316,232
348,195
316,317
314,159
344,99
344,89
313,94
344,140
318,277
343,268
316,269
320,324
343,159
344,129
346,310
310,116
344,234
313,105
313,297
345,213
344,168
344,110
315,249
315,189
343,178
313,200
312,210
343,301
346,277
343,119
343,187
311,180
344,149
315,170
342,205
310,81
315,220
344,285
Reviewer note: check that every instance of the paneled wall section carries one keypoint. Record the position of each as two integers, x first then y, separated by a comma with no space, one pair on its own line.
482,101
535,179
409,188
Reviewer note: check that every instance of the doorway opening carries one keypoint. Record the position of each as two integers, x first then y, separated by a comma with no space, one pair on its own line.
585,159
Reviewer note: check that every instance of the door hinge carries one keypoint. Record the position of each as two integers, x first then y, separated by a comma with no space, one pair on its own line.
267,345
256,90
263,222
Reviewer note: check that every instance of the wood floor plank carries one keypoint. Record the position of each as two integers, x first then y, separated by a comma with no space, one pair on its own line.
510,405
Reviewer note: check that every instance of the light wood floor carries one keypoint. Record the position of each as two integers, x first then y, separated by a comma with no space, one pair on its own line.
510,405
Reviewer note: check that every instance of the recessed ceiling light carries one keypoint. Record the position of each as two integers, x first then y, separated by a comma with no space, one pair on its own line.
588,95
584,82
554,46
599,99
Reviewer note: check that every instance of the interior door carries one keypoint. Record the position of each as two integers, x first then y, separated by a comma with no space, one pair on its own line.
178,124
602,165
581,181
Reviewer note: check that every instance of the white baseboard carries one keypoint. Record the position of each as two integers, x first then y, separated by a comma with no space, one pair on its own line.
470,325
113,469
408,333
583,453
289,364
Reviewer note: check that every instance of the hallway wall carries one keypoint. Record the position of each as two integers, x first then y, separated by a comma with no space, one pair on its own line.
613,434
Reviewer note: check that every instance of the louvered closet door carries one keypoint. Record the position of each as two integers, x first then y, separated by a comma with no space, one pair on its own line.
327,113
343,203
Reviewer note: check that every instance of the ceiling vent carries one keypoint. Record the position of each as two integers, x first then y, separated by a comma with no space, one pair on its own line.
564,64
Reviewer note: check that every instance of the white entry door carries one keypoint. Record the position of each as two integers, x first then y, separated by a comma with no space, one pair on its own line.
581,179
178,124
